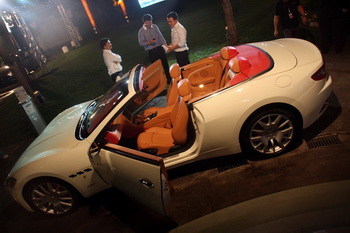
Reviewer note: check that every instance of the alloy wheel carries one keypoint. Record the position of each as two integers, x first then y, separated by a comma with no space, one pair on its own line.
52,198
271,134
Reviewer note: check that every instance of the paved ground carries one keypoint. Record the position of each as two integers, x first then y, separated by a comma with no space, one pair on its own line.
208,186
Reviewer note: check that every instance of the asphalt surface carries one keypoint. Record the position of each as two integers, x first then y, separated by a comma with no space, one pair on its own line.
229,194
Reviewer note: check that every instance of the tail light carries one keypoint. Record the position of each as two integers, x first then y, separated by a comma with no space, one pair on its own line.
320,74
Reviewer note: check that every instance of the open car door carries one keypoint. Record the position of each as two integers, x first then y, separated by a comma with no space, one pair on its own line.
139,175
154,79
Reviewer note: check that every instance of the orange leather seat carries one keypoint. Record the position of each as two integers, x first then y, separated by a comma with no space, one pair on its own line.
226,54
162,139
236,72
172,94
232,71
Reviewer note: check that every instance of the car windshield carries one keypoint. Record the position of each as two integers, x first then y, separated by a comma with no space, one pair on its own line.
147,83
100,107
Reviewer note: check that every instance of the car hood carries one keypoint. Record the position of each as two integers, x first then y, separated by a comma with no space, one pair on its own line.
57,136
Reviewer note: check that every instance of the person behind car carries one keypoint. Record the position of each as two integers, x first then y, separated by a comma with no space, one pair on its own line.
287,12
112,60
152,40
178,39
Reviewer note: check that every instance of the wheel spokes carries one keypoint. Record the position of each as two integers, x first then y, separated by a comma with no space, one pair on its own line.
271,134
52,198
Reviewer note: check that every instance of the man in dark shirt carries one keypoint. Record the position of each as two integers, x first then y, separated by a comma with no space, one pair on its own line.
152,40
287,12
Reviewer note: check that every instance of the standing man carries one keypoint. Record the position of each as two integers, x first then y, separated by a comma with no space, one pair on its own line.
152,40
287,11
178,39
111,60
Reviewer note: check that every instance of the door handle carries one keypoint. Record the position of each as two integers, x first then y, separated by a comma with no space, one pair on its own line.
94,150
146,182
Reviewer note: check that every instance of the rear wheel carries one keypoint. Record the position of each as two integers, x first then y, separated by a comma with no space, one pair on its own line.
269,133
51,196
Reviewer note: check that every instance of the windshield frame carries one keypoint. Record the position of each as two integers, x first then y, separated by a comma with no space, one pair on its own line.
131,85
99,108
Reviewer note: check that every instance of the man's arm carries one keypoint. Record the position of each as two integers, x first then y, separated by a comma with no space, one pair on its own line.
160,35
142,39
302,13
276,20
182,39
117,59
112,57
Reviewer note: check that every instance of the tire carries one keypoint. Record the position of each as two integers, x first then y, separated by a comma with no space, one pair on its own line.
269,133
51,196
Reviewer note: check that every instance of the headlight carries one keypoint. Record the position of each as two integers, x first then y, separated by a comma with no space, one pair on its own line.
10,182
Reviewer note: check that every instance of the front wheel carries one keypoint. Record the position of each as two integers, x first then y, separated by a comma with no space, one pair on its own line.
269,133
51,196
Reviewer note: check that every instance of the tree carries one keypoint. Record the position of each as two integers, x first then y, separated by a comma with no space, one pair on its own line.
231,25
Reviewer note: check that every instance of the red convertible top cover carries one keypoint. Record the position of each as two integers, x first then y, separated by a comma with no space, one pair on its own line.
260,62
252,61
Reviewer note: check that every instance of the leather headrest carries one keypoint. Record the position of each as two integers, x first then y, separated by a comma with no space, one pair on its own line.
239,64
184,87
175,70
234,65
228,52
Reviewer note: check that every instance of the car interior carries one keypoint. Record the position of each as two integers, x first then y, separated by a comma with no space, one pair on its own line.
165,130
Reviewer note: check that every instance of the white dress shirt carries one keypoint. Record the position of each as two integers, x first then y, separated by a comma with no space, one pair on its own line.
110,58
178,37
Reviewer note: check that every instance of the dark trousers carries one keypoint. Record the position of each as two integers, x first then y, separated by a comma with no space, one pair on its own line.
182,58
159,53
115,75
292,32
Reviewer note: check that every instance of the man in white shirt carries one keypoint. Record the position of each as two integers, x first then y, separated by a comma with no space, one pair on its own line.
178,39
111,60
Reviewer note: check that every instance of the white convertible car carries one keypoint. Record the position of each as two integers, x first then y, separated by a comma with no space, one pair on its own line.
254,98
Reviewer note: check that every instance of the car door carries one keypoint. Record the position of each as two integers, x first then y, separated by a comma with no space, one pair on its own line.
141,176
154,80
204,75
